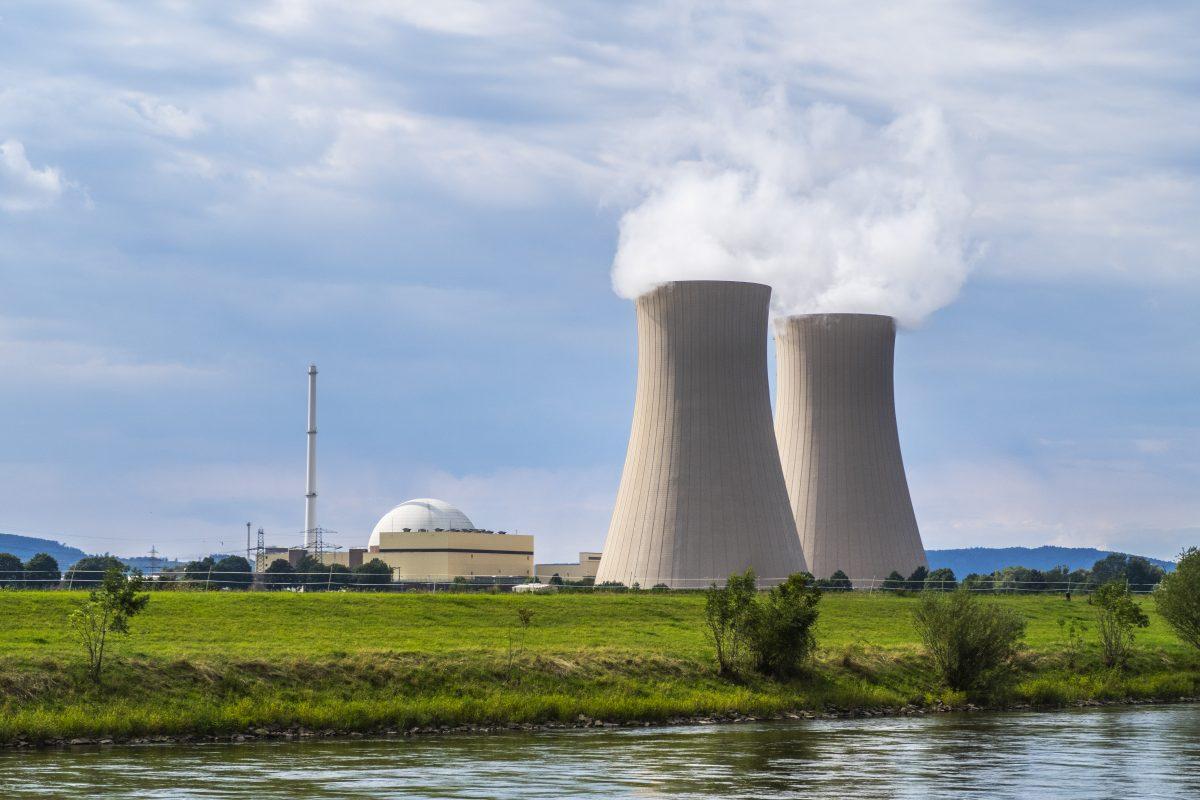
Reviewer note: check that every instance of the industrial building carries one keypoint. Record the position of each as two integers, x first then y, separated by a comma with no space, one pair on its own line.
586,567
702,494
840,448
427,539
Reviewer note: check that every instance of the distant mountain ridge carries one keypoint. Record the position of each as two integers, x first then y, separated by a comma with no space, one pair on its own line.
23,547
985,560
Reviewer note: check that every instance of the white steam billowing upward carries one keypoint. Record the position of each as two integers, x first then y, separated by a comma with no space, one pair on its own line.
833,213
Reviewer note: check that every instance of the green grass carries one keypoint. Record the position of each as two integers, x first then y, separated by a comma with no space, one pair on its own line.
214,663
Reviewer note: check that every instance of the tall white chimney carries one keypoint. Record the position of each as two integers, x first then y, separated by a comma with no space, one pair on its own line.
310,494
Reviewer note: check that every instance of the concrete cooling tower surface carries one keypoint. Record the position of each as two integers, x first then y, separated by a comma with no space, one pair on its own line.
836,427
702,493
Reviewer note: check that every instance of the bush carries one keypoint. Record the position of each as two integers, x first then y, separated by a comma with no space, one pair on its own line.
773,632
916,581
941,580
279,574
90,571
971,642
232,572
372,575
107,610
728,616
893,582
1178,597
1118,616
782,635
838,582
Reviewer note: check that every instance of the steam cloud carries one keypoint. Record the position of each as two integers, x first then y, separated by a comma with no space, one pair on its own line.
834,213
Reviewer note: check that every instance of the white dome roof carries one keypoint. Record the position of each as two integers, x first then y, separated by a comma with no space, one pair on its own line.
423,513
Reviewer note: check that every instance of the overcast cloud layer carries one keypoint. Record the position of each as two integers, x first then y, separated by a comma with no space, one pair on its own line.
434,202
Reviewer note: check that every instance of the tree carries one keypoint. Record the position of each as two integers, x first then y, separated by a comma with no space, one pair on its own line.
893,582
107,610
199,574
941,580
339,577
971,642
311,573
556,580
1109,568
279,574
90,571
232,572
41,572
1118,615
372,575
1143,575
728,613
782,626
12,572
839,582
1178,597
916,581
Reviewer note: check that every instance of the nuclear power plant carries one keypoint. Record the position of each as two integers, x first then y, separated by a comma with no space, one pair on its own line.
702,494
836,428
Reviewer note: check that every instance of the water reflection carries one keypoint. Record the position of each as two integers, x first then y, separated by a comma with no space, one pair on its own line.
1112,752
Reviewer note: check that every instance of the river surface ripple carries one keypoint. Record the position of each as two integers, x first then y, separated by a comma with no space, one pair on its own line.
1114,752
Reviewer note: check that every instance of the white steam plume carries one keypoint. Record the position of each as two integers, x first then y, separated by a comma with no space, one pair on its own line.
834,213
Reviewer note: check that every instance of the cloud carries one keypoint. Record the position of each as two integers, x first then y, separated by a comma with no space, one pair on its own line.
22,186
835,214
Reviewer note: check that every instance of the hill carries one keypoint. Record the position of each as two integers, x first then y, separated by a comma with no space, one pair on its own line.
25,546
985,560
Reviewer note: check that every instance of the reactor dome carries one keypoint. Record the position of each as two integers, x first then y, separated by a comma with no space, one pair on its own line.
424,513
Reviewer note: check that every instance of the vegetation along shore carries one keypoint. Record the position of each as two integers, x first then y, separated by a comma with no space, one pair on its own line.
237,664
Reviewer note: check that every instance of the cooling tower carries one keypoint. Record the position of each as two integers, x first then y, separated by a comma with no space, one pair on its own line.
836,427
702,494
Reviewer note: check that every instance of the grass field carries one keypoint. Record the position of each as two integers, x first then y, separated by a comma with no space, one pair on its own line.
214,663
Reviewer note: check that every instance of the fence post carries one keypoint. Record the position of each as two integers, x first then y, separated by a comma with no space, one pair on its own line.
208,579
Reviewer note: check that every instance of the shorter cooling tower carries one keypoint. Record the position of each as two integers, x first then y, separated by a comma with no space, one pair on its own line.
836,427
702,494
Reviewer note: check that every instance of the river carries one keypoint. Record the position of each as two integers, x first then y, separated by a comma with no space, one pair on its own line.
1113,752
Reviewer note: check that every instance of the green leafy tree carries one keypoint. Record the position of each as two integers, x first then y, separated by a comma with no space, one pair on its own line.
339,577
941,580
1118,615
893,582
199,574
41,571
279,574
12,572
1142,575
916,581
839,582
728,619
1178,597
972,642
556,580
232,572
107,611
311,574
90,571
374,574
781,626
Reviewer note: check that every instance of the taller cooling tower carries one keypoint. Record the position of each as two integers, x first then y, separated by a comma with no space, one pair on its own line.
702,494
836,426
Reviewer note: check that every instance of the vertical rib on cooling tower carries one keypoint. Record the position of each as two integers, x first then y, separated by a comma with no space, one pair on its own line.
702,494
836,426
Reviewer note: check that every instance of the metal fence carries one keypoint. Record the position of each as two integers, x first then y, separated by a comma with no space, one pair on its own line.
331,580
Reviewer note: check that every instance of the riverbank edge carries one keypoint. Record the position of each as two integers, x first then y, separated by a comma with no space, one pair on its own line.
297,733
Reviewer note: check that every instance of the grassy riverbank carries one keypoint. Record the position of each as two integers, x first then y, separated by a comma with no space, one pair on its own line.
221,663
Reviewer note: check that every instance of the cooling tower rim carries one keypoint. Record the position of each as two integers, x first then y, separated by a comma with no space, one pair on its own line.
834,315
703,282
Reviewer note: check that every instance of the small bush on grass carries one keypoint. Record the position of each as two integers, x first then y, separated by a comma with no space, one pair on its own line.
1117,617
1178,597
773,633
107,610
972,642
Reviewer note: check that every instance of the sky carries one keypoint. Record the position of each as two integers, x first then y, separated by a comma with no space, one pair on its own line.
428,200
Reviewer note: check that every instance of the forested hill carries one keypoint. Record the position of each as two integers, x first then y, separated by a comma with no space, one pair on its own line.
25,546
986,560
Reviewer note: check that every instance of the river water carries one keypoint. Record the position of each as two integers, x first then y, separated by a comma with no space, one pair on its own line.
1115,752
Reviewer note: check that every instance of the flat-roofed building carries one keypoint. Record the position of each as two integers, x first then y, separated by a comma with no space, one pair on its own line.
570,571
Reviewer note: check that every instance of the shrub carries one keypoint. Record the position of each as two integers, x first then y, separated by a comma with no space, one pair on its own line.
373,574
971,642
90,571
1178,597
232,572
941,580
1118,615
916,581
11,571
278,574
107,610
839,582
893,582
781,637
728,614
